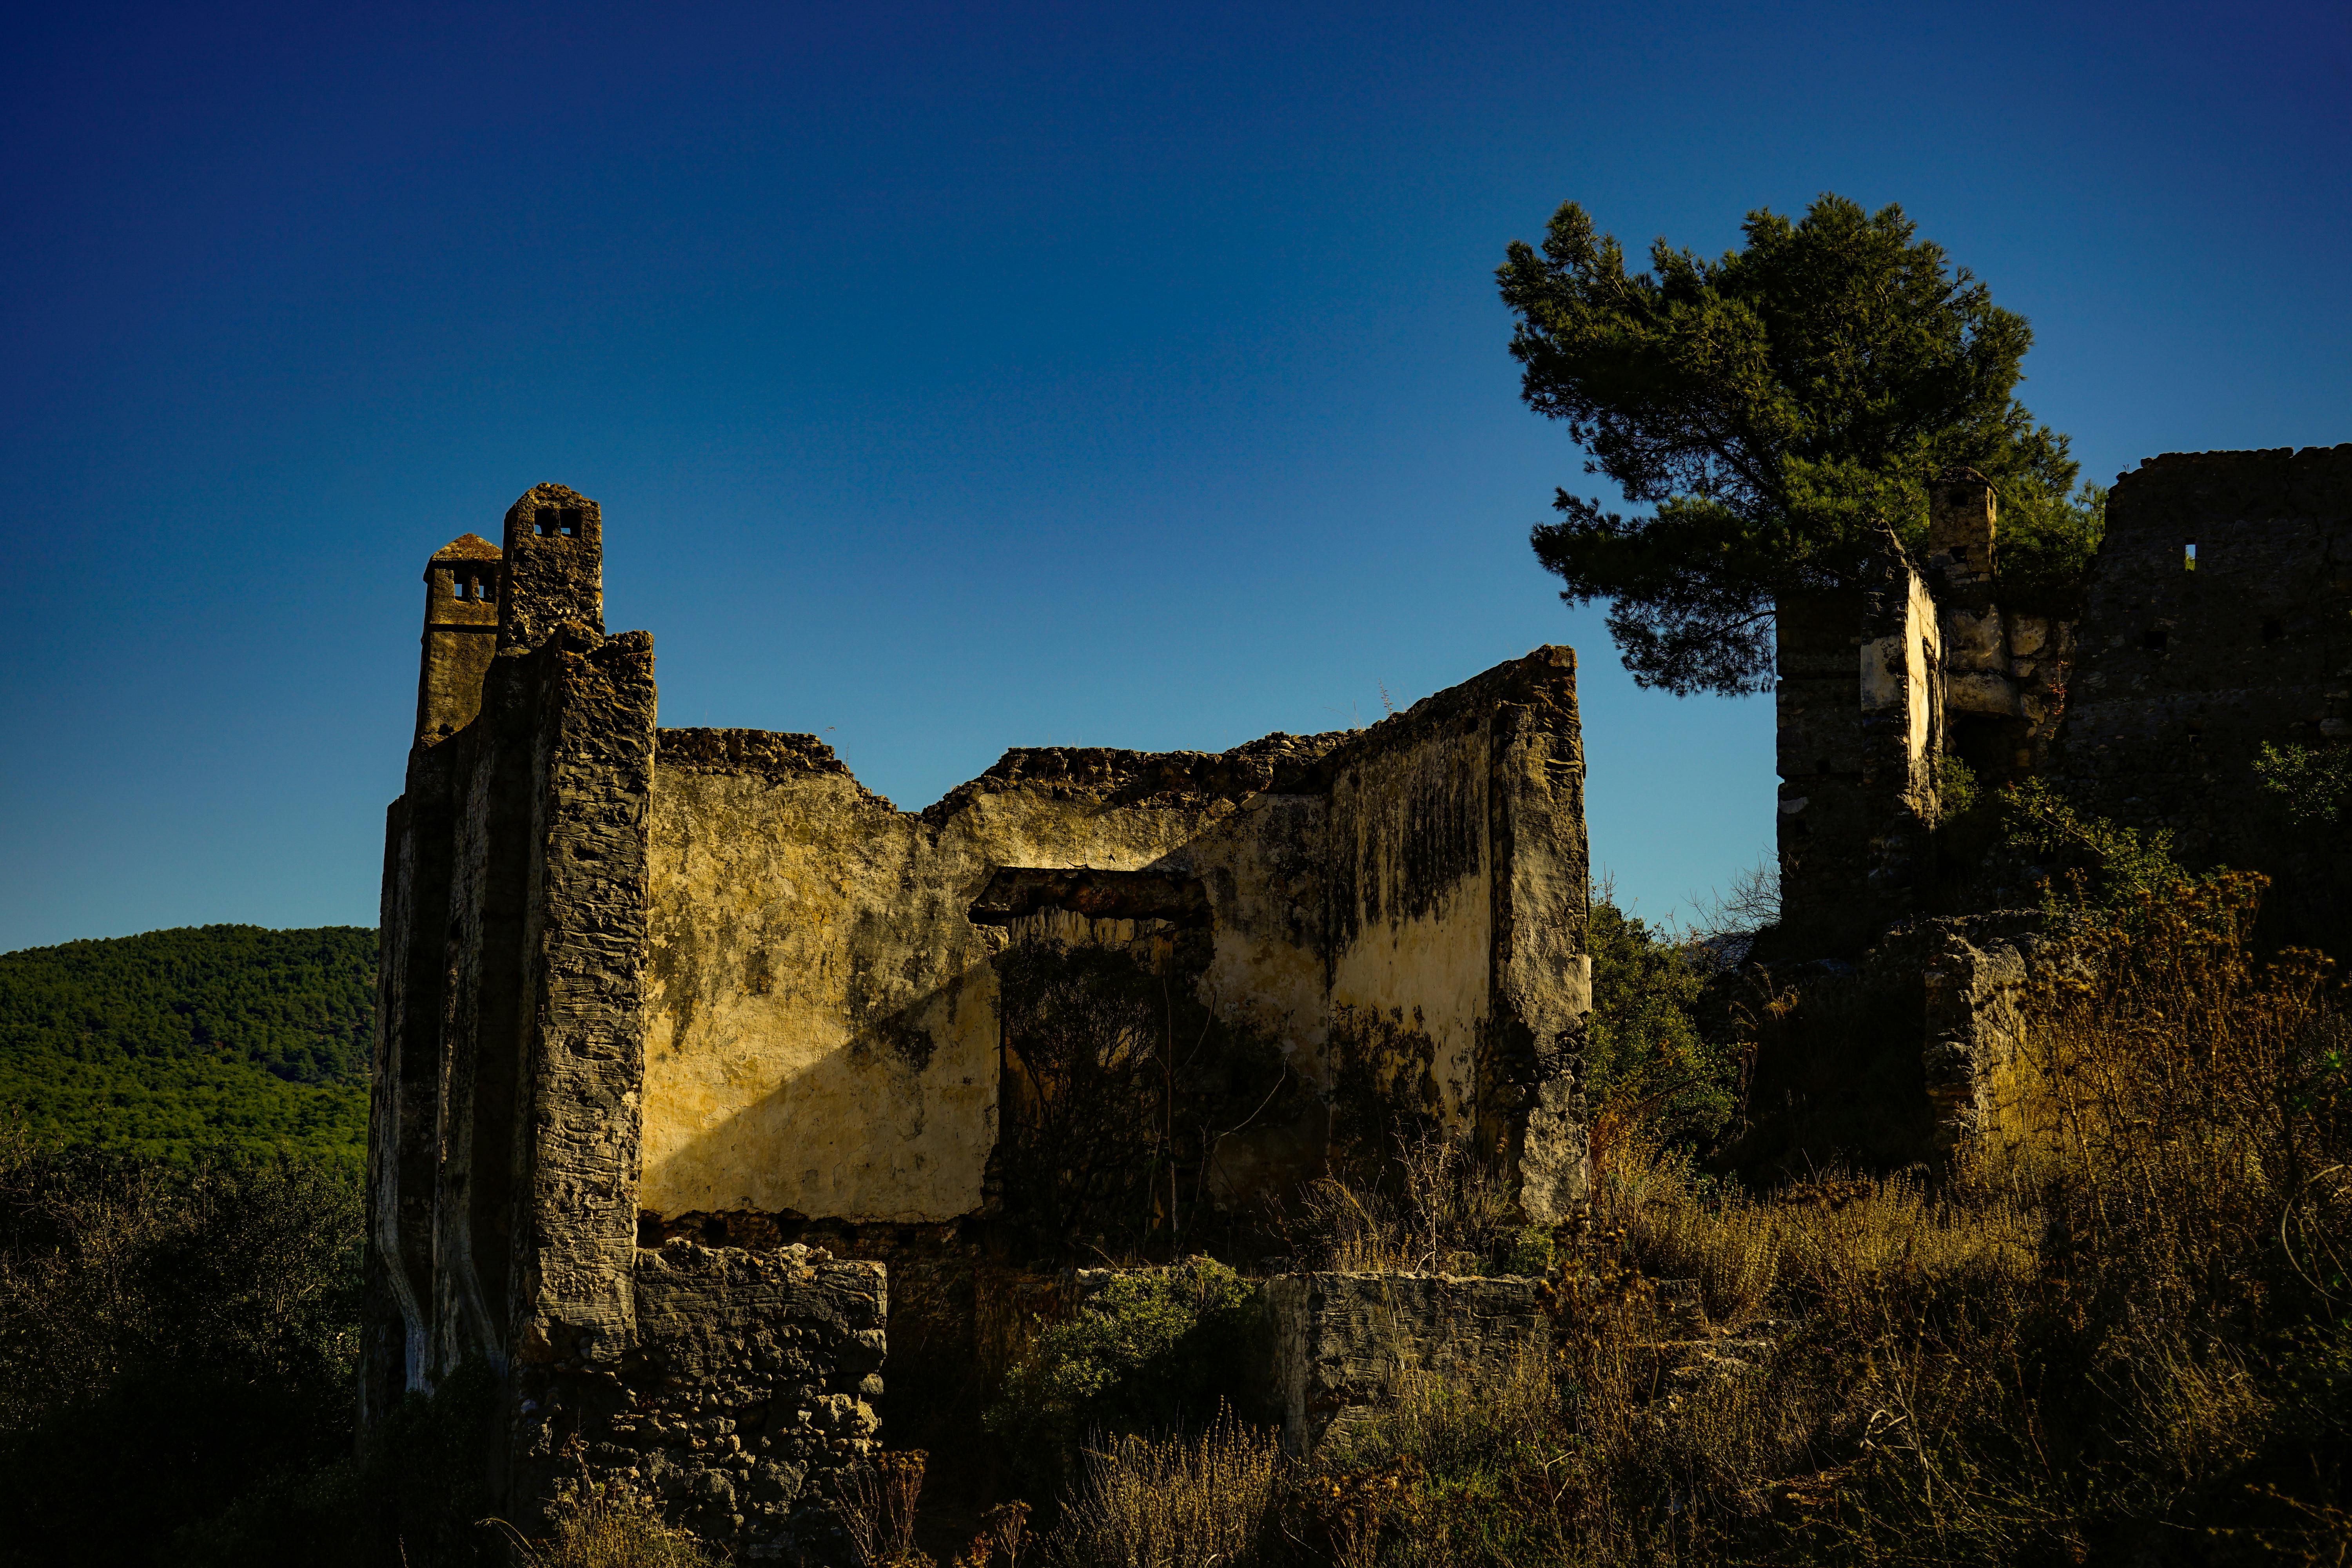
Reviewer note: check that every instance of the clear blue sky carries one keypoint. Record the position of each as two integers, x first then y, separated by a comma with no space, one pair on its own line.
955,378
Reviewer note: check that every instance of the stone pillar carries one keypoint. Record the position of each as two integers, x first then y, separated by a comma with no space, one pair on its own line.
1821,824
1542,976
1902,714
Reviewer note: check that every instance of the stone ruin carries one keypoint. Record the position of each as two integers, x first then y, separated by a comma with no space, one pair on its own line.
2217,616
655,1003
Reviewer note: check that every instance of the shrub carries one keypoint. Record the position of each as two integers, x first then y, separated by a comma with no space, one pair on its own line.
1644,1059
1146,1353
2099,864
2309,785
193,1326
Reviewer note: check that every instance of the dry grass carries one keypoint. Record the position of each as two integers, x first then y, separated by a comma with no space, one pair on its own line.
1177,1501
2127,1322
611,1526
1447,1212
878,1508
2124,1323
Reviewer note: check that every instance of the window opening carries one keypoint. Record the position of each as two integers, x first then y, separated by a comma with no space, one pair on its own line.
567,521
542,520
2188,557
2272,631
2155,637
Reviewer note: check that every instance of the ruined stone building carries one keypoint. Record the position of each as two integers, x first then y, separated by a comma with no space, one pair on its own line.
643,988
2218,616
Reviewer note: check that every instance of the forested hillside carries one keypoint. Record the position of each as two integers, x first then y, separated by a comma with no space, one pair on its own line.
207,1036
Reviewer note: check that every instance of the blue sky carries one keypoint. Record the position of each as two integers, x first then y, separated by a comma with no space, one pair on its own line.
958,377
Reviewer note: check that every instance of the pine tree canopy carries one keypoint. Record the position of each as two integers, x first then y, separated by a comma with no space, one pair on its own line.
1780,411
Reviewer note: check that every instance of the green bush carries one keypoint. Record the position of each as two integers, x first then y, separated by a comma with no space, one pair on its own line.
1645,1060
172,1335
1151,1351
2098,864
2310,786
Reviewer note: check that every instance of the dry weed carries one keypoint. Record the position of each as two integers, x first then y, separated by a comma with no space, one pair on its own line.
1177,1501
878,1508
609,1525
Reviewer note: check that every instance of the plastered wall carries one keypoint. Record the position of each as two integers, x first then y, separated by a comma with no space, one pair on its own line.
1411,913
822,1037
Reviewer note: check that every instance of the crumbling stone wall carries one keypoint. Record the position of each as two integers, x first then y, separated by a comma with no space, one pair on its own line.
1876,685
825,1022
749,1395
2216,619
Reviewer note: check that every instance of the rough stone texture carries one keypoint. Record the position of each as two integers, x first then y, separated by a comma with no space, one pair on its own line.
1345,1346
1456,888
2183,672
749,1389
1974,1025
1875,686
554,565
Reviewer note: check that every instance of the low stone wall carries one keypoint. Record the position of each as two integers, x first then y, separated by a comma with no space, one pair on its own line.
750,1389
1345,1346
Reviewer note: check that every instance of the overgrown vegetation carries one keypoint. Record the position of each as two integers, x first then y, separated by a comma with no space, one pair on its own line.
1147,1352
176,1356
182,1041
1122,1088
1444,1209
2118,1332
610,1526
1647,1063
2312,786
2089,862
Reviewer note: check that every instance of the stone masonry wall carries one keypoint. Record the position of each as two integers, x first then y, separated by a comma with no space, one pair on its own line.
749,1392
2219,617
1347,1345
1457,882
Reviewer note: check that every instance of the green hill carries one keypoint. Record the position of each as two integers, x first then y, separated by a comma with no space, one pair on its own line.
204,1037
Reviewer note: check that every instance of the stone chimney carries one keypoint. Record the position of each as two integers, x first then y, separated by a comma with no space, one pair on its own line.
462,584
554,565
